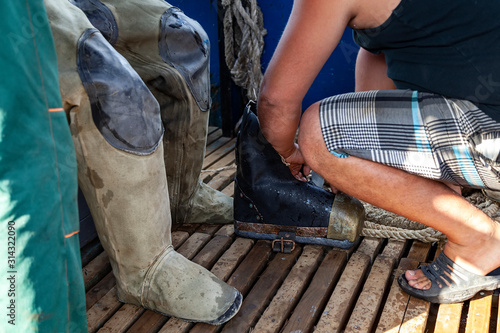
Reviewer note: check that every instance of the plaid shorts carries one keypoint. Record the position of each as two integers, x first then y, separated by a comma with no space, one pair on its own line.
429,135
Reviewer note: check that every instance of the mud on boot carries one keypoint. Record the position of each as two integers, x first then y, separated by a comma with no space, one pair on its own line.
269,203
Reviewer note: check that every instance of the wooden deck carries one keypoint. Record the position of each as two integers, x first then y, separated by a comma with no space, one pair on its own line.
313,289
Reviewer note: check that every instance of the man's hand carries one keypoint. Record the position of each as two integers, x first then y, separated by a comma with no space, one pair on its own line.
297,164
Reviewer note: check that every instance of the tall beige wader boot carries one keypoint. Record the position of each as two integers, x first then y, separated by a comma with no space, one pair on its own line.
171,53
117,132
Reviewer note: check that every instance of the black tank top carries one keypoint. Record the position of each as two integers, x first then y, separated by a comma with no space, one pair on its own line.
447,47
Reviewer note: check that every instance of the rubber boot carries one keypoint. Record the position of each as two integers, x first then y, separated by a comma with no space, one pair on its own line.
117,133
171,53
269,203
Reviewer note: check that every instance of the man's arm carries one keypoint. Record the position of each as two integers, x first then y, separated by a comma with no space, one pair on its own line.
313,31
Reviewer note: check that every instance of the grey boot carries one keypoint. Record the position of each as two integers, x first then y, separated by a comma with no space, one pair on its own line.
171,53
117,132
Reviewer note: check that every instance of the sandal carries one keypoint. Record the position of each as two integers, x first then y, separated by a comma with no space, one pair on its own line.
450,283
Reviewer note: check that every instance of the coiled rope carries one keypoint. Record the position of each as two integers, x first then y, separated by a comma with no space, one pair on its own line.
383,224
244,42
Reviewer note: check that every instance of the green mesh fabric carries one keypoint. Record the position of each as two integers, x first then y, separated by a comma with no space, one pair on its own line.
41,285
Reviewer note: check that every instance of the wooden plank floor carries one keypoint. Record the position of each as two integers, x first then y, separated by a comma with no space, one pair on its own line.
313,289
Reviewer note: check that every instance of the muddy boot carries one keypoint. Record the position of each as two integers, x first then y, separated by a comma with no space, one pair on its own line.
117,132
269,203
171,53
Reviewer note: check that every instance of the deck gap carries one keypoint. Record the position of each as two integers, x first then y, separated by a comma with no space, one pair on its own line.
90,251
431,320
463,317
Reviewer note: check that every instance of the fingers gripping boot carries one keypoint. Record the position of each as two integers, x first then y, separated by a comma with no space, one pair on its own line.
117,132
269,200
170,52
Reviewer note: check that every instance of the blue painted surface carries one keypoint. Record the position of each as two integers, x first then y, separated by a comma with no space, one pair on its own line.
336,77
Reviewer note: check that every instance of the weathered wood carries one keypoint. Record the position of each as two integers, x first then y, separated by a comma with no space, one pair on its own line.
478,318
187,227
122,319
370,247
261,293
229,189
419,251
244,276
228,262
214,145
210,229
99,290
395,305
101,311
290,291
193,244
179,237
212,251
212,136
394,249
222,179
344,295
226,230
96,270
313,301
220,165
149,322
367,306
227,148
416,315
448,318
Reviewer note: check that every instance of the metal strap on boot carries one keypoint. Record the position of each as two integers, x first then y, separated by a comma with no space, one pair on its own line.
285,243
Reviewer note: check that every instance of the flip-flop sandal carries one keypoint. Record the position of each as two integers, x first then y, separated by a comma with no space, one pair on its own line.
450,283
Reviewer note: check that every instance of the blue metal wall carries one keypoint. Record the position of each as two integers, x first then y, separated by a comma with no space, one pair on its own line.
336,77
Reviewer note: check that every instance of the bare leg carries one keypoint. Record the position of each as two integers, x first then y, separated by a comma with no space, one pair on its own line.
473,237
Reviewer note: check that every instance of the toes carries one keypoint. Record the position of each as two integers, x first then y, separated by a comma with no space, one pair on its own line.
414,274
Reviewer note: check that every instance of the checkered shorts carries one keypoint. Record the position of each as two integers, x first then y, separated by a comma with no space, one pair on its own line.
425,134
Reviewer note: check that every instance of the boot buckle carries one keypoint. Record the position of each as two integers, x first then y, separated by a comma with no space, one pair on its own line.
285,242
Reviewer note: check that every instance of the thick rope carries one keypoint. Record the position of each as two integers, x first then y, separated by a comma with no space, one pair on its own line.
244,42
383,224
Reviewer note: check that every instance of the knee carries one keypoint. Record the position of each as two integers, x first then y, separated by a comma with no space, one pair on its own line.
310,139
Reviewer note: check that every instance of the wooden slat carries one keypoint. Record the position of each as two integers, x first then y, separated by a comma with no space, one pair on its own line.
314,299
212,251
222,179
345,293
122,319
210,229
226,230
99,290
395,305
367,306
448,318
419,251
290,291
365,312
193,244
179,237
370,247
244,276
229,189
227,148
96,270
216,145
149,322
100,312
186,227
212,136
261,293
478,318
208,174
228,262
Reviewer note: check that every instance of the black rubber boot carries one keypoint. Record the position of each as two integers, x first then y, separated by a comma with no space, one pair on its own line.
269,203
